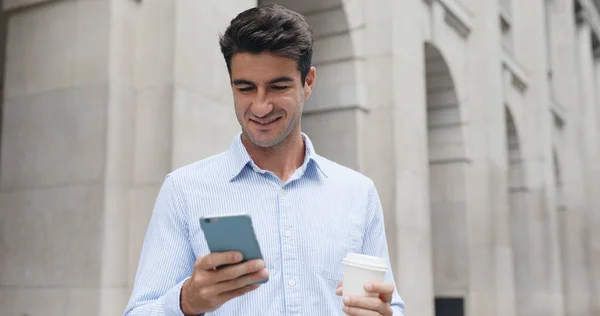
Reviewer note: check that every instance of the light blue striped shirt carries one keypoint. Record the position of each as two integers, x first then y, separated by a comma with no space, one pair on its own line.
305,227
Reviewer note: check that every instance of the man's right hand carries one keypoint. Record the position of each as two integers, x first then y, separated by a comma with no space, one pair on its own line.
209,288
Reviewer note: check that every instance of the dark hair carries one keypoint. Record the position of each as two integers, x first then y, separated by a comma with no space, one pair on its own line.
271,28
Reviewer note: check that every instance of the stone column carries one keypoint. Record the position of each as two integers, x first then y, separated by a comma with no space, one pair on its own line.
594,254
590,147
377,132
570,220
487,208
120,139
154,52
412,220
542,293
65,166
586,149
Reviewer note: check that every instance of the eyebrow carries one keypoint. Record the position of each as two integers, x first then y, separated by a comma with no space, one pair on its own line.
238,82
281,79
273,81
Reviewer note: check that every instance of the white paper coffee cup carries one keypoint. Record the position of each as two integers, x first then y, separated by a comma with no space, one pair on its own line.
361,269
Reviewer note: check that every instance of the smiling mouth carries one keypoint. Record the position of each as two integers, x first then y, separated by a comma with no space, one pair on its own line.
266,122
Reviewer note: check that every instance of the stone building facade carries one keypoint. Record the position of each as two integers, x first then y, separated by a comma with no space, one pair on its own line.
479,122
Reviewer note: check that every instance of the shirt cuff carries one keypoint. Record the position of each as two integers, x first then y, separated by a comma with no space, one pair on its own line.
397,311
173,300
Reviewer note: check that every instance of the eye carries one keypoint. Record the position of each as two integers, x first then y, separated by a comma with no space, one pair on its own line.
246,89
279,88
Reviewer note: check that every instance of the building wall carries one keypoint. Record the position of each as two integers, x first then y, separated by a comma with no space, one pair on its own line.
477,120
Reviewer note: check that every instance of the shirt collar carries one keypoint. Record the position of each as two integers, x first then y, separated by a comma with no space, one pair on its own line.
241,158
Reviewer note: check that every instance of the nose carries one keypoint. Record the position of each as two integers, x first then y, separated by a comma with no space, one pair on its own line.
261,106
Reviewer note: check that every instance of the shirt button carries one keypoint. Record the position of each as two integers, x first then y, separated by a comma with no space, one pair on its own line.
292,282
283,191
288,233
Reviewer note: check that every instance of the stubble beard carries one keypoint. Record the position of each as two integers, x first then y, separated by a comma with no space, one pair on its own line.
277,140
281,137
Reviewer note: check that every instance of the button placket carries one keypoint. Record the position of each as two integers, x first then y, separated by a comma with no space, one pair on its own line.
289,251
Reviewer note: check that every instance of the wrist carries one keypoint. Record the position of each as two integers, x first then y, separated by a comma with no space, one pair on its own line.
184,303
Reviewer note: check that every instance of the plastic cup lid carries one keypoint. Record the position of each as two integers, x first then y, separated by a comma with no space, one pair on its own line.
366,261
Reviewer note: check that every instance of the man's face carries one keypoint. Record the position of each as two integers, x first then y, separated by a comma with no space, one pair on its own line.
268,96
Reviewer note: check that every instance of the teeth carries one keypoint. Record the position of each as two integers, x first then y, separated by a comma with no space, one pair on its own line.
266,122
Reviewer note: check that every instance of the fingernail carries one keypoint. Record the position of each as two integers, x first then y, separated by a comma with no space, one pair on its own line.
345,308
259,264
237,257
264,273
346,299
368,287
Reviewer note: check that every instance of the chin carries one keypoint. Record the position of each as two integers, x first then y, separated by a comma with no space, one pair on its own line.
265,141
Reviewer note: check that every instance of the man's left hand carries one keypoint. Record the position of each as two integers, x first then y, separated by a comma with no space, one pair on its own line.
369,306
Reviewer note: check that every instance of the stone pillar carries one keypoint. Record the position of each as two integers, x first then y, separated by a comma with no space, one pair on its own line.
153,129
570,221
487,208
586,103
65,167
594,222
589,148
119,147
542,292
413,231
377,130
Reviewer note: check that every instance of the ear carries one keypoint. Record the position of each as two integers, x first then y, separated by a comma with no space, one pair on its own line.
310,82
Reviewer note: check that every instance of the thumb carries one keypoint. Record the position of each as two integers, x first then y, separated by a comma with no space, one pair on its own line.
386,297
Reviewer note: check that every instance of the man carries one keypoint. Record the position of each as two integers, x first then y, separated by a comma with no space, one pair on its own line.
308,212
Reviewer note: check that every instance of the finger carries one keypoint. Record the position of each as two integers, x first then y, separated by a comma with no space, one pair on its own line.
355,311
385,290
339,288
238,292
238,283
366,303
236,271
216,259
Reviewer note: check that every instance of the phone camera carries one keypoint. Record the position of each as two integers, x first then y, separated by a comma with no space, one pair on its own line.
207,220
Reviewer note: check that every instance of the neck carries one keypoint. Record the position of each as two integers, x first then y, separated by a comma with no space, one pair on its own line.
282,159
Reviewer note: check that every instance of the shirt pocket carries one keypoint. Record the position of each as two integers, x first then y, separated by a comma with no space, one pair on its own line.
333,247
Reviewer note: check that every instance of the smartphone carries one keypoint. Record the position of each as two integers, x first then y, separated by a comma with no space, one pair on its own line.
232,232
